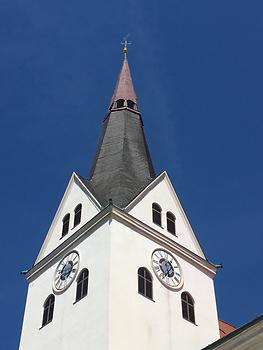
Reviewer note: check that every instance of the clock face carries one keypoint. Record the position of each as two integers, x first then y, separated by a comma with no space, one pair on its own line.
167,269
66,271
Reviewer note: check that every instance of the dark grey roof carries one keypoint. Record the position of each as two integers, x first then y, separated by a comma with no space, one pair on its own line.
122,166
234,334
89,186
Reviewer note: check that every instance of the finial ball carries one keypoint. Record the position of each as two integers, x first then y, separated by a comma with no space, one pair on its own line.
125,49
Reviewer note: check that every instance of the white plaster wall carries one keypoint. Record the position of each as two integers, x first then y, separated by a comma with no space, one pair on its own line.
74,195
83,325
162,195
138,323
113,315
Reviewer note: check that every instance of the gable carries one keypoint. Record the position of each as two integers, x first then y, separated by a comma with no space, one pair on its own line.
161,191
76,193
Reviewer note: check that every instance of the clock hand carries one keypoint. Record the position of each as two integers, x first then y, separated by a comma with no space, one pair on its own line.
168,267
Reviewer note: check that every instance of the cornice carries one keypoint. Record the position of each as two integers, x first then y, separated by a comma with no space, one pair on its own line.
118,214
164,177
164,241
121,109
69,243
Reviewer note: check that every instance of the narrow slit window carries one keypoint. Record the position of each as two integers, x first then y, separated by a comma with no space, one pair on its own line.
171,223
188,310
77,217
145,285
48,310
65,226
157,214
82,284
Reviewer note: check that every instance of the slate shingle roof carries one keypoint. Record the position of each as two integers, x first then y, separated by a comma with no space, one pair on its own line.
122,166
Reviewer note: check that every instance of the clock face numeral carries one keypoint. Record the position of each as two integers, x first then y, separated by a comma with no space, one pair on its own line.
167,269
66,271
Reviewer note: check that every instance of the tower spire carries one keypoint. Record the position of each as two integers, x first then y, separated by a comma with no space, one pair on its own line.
124,95
122,166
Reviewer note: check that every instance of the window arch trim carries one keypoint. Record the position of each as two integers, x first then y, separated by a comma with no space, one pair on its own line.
171,223
65,224
48,311
157,214
188,307
145,282
77,214
82,284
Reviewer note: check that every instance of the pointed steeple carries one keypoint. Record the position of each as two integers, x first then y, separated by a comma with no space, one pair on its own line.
124,94
122,167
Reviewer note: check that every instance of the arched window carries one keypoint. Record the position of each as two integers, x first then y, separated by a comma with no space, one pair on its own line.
188,310
130,104
65,227
82,284
145,284
48,310
77,216
120,103
170,223
157,214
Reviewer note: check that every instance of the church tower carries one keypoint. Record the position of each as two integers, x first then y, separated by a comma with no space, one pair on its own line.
120,267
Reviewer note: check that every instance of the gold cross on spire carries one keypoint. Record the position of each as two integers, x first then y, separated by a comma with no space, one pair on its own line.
125,42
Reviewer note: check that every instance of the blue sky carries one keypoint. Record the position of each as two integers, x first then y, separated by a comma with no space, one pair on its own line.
197,70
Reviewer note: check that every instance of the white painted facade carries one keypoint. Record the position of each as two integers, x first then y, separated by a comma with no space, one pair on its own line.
113,244
76,193
73,324
139,323
162,192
